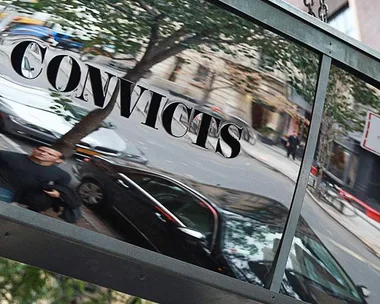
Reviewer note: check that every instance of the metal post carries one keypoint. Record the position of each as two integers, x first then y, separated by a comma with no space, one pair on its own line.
278,267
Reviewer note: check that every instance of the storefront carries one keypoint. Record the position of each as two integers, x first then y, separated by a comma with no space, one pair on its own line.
356,170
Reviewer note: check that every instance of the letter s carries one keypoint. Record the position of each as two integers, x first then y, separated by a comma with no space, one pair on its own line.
229,140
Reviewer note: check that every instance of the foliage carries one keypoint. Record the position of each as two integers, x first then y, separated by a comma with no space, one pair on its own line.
347,99
154,30
24,284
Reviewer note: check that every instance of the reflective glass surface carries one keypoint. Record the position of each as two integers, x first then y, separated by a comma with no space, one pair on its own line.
341,261
172,125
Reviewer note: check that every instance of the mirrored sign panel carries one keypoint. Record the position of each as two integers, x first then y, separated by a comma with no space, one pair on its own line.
339,262
171,125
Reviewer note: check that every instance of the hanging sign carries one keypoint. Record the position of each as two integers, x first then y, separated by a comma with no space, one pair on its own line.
371,135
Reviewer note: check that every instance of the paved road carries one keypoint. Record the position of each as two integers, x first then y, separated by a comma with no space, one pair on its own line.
242,173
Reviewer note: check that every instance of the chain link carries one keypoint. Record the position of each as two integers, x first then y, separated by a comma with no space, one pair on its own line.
323,10
309,4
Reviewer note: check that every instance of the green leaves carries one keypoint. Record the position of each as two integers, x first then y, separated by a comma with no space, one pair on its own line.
24,284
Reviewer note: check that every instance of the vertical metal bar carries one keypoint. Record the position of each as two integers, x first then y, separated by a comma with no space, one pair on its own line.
282,254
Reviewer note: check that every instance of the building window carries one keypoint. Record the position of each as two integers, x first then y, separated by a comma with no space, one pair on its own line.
177,68
202,74
343,165
344,21
353,168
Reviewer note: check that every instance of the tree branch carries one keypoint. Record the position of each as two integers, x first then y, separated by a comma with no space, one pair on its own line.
147,8
169,41
220,88
163,54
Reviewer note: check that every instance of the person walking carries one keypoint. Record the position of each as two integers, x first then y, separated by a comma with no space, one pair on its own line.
292,145
21,173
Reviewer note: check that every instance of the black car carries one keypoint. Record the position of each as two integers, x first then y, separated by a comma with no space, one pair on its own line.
224,230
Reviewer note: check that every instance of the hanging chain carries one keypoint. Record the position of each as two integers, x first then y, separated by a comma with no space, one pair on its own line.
309,4
323,10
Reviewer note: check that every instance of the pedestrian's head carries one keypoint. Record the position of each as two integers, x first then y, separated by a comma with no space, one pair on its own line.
46,156
295,133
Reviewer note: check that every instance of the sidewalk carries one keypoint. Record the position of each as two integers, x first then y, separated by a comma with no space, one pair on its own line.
364,228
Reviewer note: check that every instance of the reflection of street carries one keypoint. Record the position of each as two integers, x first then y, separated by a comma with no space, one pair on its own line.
249,175
180,156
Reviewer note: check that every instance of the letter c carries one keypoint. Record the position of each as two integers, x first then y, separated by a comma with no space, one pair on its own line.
168,114
18,55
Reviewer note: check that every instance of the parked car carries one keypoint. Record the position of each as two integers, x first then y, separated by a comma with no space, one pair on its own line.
226,231
211,110
248,134
33,114
58,39
39,31
67,42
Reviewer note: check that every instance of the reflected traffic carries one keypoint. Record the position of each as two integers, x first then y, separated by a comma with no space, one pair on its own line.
228,231
220,114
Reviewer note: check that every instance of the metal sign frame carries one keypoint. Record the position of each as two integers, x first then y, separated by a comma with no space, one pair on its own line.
57,246
371,123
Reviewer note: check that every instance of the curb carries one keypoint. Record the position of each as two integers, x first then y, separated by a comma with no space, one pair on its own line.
360,239
269,166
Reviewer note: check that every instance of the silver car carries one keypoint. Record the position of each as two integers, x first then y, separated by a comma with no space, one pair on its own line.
34,114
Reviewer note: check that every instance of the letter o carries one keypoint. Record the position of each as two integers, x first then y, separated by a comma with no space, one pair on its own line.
75,73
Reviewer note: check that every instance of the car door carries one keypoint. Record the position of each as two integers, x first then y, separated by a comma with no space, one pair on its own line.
159,207
142,213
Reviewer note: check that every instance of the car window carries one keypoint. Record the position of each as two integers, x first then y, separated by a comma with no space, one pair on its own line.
313,262
309,263
186,207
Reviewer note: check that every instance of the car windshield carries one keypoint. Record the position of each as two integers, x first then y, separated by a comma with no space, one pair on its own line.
131,149
42,99
77,113
250,245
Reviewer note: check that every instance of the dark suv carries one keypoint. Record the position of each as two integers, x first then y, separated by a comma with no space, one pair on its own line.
224,230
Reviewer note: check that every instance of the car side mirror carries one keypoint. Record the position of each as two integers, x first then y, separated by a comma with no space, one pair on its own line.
191,235
364,291
31,69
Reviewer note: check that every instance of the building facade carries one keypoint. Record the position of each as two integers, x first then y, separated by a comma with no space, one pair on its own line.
351,166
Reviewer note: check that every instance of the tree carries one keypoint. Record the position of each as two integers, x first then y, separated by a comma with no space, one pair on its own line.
347,100
24,284
152,31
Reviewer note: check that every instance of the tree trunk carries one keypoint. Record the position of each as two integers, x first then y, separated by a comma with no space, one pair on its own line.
209,89
66,144
324,149
138,71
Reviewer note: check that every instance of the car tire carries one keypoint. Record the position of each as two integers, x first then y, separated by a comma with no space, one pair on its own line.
91,193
